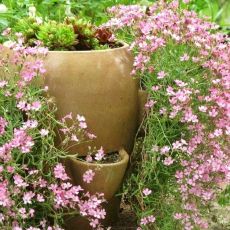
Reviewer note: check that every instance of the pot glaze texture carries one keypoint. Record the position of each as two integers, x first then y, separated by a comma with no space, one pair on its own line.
97,84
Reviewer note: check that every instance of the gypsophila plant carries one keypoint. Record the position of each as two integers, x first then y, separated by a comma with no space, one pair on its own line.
184,64
35,191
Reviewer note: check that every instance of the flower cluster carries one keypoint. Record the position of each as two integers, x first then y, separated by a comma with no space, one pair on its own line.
185,65
35,190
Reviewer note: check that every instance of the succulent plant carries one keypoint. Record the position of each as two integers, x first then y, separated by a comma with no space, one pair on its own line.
57,36
72,34
104,35
29,27
85,32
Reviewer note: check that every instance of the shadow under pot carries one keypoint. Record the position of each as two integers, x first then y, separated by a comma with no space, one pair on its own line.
107,180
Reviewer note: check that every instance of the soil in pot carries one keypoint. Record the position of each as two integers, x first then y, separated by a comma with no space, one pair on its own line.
111,157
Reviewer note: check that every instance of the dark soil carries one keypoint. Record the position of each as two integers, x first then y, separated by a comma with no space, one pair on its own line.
111,157
127,219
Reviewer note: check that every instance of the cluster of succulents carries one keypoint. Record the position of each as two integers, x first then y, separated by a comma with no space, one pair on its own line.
71,34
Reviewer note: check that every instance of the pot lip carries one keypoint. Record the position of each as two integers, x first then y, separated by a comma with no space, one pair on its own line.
124,46
124,155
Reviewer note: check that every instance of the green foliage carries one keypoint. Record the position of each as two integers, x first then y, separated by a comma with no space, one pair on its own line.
217,10
224,198
56,36
72,34
85,32
29,28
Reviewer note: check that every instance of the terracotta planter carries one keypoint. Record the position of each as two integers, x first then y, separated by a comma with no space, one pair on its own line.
108,179
98,85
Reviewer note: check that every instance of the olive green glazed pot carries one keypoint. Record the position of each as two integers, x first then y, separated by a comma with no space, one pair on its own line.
97,84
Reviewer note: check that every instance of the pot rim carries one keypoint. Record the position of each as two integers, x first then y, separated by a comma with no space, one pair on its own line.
124,158
124,46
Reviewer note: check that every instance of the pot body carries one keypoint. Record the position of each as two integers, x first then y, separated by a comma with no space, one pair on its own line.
97,84
108,179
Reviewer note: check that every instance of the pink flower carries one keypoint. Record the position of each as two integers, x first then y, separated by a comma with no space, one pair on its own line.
80,118
3,124
27,197
155,88
203,108
164,149
89,158
18,180
147,191
40,198
36,105
59,172
168,161
22,105
83,125
150,104
178,216
185,57
3,84
161,75
91,136
88,176
148,219
100,154
44,132
74,138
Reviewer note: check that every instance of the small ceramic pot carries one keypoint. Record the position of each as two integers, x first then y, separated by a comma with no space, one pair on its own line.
108,179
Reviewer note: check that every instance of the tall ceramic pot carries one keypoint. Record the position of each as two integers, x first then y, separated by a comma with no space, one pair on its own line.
107,180
98,85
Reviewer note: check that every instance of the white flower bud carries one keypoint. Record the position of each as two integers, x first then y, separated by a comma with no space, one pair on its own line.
32,11
3,8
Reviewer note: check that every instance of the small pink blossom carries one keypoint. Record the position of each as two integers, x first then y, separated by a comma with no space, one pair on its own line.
44,132
100,154
36,105
164,149
3,124
147,191
161,75
88,176
27,197
80,118
155,88
185,57
83,125
168,161
74,138
89,158
203,108
3,84
59,172
150,104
